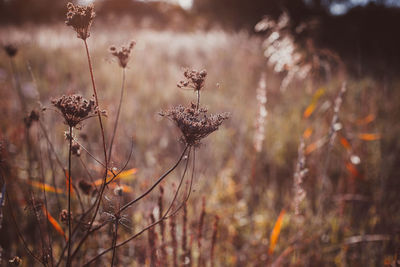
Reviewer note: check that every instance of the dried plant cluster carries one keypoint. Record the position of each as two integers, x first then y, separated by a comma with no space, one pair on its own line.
299,175
123,53
262,112
74,108
193,79
194,123
80,18
92,197
67,204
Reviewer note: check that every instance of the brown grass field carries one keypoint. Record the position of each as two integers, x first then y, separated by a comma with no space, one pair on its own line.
249,194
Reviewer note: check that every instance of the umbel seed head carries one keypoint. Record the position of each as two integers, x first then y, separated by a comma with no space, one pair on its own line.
123,53
80,18
193,79
194,123
75,108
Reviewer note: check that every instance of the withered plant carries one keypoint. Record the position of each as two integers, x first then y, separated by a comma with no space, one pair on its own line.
97,209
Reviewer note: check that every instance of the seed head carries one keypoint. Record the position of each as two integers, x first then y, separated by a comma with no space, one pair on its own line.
194,123
123,53
64,216
74,108
193,79
11,50
80,18
76,149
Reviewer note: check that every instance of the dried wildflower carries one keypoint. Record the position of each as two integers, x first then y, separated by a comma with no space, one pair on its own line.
194,122
33,116
261,115
74,108
300,173
64,216
193,79
76,149
11,50
16,261
123,53
80,18
85,186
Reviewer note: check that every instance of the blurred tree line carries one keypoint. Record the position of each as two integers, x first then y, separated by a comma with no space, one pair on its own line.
366,36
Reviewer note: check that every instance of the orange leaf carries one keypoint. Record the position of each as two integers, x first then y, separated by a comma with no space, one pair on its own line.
126,175
369,136
314,146
45,187
345,143
352,169
369,118
275,232
54,223
67,182
307,133
309,110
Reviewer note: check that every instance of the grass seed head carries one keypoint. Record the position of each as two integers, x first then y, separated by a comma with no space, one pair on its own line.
194,123
80,18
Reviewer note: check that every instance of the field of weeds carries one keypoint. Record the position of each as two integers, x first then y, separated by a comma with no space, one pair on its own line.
305,174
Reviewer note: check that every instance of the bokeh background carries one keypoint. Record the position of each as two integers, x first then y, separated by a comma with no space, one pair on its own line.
278,67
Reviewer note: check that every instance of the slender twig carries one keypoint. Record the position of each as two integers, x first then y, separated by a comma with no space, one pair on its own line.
100,195
21,237
118,113
46,207
152,224
155,184
159,180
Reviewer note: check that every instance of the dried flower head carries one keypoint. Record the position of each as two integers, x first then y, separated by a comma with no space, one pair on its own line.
11,50
194,122
123,53
76,149
85,186
64,216
74,108
33,116
80,18
193,79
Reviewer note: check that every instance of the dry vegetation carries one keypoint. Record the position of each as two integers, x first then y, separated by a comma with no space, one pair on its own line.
305,175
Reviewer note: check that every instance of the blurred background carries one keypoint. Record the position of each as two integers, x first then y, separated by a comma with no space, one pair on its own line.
278,67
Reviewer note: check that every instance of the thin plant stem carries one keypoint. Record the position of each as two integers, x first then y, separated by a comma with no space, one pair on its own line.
198,99
155,184
69,198
21,237
46,206
152,224
159,180
100,195
118,113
